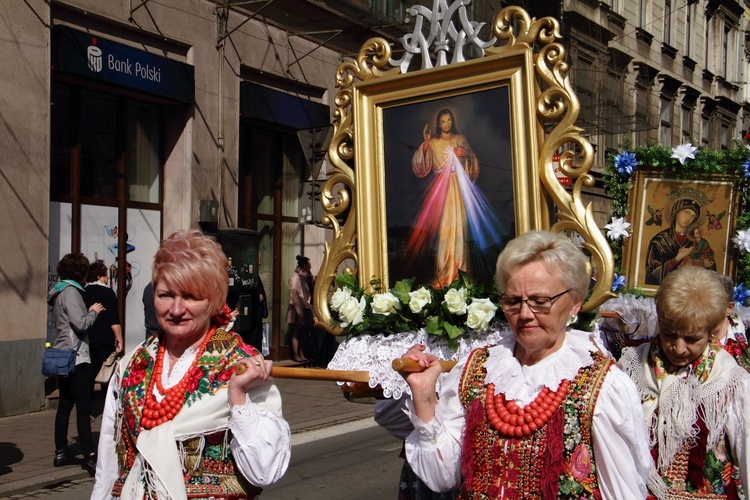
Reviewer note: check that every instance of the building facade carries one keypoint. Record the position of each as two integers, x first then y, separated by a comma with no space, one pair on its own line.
656,72
129,119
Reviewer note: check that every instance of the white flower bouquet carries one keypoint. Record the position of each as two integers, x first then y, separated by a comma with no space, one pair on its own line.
448,312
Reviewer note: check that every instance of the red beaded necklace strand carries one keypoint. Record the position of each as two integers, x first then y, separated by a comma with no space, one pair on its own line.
157,412
511,420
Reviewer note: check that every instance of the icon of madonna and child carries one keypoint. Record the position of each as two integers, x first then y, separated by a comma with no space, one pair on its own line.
447,216
682,243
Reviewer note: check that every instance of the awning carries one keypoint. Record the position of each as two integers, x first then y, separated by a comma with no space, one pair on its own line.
263,103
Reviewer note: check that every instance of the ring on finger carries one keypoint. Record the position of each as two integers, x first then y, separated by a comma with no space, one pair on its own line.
257,363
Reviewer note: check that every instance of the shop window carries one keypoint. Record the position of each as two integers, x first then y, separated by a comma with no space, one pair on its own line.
103,129
272,175
61,172
144,124
100,145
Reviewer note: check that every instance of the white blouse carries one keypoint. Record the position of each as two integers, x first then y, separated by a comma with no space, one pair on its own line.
618,432
261,443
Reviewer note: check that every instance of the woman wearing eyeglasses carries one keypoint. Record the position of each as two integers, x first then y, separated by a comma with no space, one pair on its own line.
542,414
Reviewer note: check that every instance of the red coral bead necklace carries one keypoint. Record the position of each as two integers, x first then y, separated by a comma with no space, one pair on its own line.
157,412
511,420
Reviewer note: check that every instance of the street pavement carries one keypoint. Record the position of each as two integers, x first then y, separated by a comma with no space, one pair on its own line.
27,447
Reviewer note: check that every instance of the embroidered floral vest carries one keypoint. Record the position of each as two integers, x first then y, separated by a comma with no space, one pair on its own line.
716,478
556,461
738,348
208,466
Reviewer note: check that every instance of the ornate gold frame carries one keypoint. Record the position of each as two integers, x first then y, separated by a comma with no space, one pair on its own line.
645,182
540,94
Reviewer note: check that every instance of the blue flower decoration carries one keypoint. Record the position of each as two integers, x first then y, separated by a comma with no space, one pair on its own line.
625,163
619,283
741,294
746,169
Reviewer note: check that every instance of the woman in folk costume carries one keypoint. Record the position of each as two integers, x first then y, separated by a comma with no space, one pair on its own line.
454,210
180,419
730,334
542,414
696,399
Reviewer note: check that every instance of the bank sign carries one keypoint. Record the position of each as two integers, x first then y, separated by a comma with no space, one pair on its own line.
93,57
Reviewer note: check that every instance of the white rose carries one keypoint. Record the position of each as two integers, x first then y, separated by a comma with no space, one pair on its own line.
351,311
339,297
419,299
480,313
385,303
456,300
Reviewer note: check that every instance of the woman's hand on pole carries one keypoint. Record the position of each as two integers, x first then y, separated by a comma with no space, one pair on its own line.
423,384
248,373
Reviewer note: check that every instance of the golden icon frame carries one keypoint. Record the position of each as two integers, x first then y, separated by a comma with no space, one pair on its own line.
528,59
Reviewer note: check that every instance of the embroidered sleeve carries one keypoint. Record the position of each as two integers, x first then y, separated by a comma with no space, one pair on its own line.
243,419
106,465
433,450
619,436
428,432
261,444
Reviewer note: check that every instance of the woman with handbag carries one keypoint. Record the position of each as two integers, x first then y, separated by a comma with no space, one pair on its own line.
105,335
72,319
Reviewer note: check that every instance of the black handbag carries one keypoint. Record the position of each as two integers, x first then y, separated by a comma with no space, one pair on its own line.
59,362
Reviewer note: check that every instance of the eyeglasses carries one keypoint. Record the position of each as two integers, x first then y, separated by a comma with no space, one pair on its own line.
538,305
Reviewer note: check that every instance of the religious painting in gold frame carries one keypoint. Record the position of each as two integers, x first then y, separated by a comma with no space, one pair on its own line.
527,65
679,222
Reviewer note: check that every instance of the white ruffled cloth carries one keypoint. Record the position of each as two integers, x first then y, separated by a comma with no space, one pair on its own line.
618,431
375,353
743,313
261,443
637,314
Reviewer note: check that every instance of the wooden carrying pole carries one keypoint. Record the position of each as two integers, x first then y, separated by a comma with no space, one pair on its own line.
410,366
399,364
318,374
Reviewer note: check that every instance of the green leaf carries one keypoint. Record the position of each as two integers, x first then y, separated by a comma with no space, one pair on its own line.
452,330
463,279
433,326
377,285
401,290
348,281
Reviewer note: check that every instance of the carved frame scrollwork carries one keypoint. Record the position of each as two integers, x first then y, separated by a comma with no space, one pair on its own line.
527,56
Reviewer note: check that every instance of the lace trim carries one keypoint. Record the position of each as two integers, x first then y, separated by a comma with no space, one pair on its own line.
638,315
243,421
375,353
523,383
430,430
180,369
